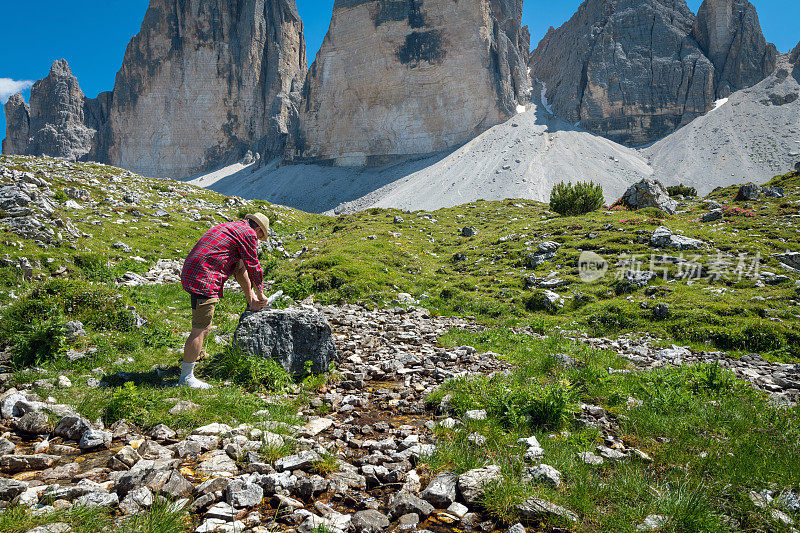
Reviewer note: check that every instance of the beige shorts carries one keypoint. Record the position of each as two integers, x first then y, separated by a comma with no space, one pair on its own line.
203,311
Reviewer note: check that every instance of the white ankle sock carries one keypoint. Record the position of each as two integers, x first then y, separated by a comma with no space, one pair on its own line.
187,377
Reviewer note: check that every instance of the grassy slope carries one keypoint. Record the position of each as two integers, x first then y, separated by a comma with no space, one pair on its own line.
87,292
370,258
712,439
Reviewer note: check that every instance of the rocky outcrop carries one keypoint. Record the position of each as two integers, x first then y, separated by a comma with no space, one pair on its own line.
203,82
292,337
56,123
18,125
411,77
729,33
626,69
794,56
649,193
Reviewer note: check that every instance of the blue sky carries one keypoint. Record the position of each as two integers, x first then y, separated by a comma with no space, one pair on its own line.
92,35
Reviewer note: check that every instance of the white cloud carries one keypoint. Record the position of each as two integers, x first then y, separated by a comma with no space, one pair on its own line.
9,87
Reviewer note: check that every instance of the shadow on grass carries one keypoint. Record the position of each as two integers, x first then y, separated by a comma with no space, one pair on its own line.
158,378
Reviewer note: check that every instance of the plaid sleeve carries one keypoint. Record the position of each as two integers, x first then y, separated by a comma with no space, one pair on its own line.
249,254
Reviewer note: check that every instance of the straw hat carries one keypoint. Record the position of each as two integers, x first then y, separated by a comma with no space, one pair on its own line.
262,221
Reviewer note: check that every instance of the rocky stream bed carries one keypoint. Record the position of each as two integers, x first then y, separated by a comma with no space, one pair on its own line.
376,427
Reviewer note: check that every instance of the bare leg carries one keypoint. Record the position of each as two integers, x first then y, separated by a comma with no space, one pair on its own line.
191,351
194,344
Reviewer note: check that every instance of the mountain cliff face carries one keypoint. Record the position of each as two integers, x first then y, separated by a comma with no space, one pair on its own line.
18,125
397,78
794,56
200,84
636,70
627,69
729,33
203,82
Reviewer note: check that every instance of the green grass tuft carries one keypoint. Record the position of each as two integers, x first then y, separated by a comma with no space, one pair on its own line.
252,373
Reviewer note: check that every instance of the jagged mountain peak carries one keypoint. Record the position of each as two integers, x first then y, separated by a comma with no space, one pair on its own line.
18,125
58,124
626,69
60,67
200,84
203,82
636,70
729,33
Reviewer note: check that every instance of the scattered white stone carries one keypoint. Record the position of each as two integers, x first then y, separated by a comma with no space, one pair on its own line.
544,474
316,426
590,458
458,510
653,522
214,429
476,414
780,516
760,500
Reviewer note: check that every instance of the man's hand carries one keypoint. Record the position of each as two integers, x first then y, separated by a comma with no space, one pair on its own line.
257,304
258,301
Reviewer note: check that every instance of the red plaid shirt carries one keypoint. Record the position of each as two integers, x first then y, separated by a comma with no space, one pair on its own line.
213,259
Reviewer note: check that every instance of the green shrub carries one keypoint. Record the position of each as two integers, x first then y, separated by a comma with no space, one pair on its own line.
513,403
710,378
94,267
682,190
128,403
664,392
160,188
570,200
96,305
38,342
544,407
60,195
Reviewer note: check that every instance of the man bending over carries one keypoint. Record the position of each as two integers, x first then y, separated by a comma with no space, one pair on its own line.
225,250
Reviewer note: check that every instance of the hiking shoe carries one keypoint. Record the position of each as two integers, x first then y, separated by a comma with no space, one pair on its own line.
194,383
